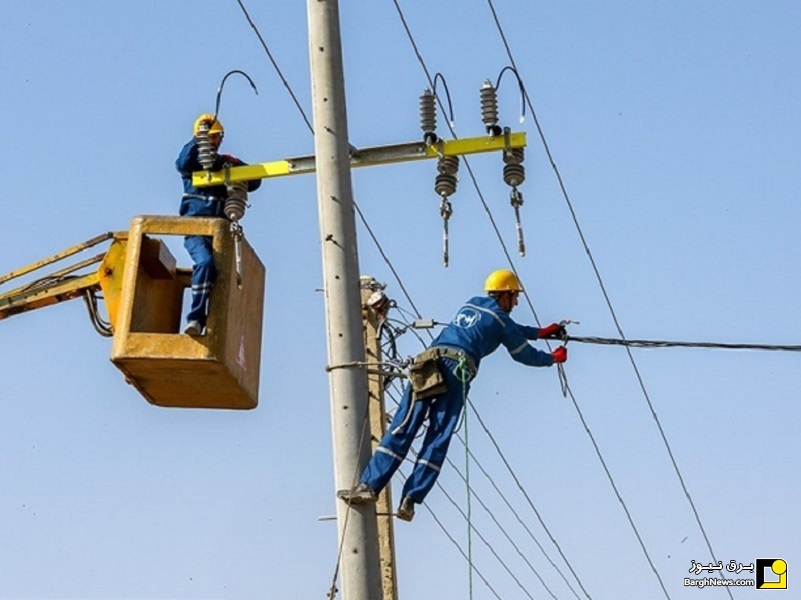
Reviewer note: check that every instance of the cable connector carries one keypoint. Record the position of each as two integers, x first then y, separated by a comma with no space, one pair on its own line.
424,324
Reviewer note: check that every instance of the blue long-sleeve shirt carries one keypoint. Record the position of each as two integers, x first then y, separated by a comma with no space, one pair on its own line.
204,202
481,326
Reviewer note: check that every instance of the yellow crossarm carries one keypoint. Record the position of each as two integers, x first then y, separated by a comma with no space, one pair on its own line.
364,157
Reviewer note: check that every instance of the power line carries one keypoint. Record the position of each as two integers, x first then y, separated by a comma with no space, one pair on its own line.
276,67
486,543
455,543
531,504
607,298
670,344
501,527
522,523
386,259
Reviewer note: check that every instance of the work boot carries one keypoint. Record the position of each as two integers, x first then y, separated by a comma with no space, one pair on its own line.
361,493
193,328
406,509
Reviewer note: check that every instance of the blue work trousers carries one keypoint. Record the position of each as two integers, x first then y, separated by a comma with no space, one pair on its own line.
203,275
442,416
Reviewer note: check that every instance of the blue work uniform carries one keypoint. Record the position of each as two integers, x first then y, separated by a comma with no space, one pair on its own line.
478,329
202,202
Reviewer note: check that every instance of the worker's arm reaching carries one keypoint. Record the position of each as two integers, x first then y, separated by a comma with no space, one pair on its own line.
515,340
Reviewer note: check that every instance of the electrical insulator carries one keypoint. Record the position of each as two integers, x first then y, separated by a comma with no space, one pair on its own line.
234,209
489,108
448,164
237,200
445,183
514,174
207,153
428,117
445,186
380,303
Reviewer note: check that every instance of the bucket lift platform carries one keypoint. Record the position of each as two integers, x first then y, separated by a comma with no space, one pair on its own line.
217,370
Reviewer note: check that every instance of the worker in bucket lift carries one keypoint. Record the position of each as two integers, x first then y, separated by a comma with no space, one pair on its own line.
439,382
203,202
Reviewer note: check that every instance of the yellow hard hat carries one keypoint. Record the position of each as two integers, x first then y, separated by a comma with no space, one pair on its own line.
216,126
502,281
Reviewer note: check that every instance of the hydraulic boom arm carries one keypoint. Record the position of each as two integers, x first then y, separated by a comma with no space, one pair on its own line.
73,281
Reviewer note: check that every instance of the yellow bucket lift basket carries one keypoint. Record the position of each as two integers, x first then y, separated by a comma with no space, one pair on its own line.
217,370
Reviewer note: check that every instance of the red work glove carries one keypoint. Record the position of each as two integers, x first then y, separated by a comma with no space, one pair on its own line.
559,355
554,331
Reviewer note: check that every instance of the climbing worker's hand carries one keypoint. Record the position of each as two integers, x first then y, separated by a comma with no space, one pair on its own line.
559,355
554,331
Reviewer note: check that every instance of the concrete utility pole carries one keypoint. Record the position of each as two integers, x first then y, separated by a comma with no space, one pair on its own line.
359,565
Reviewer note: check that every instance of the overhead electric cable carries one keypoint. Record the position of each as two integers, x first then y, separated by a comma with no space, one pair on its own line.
522,523
386,260
480,535
276,67
531,503
459,548
606,295
486,543
673,344
503,529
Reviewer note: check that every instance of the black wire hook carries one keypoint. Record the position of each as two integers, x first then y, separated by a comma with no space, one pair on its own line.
220,89
441,77
520,86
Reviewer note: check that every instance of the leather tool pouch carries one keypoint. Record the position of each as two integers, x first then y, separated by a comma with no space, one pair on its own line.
426,379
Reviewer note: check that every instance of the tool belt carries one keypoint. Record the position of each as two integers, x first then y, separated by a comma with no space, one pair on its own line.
425,376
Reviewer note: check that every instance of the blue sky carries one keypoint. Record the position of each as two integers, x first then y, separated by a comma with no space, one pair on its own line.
675,128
